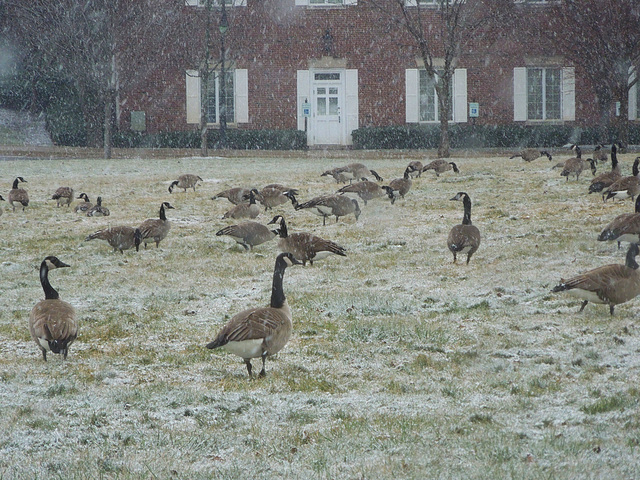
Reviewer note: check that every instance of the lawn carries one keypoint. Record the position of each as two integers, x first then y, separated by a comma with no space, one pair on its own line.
401,365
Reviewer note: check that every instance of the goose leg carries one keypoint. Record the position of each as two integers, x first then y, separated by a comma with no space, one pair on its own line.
584,304
247,362
611,307
264,359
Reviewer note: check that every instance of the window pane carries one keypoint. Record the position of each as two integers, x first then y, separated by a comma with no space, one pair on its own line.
321,106
534,94
427,98
212,113
327,76
552,93
333,106
214,100
229,97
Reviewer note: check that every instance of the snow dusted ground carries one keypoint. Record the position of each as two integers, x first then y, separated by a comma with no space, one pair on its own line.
402,364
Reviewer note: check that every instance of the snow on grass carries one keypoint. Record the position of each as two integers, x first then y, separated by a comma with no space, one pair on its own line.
402,364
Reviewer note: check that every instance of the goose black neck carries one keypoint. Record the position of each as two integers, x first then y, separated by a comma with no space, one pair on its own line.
631,256
252,198
162,214
466,220
15,184
614,157
636,170
578,152
638,204
284,233
277,292
50,293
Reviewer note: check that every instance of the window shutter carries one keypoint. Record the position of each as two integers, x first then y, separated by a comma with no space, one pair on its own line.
460,95
240,3
302,2
350,2
411,3
193,96
633,98
569,93
191,3
519,94
352,103
241,81
412,103
304,94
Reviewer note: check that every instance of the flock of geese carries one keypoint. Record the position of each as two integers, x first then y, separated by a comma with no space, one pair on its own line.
263,331
256,332
610,284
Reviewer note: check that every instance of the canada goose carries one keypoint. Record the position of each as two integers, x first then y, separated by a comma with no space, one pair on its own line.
85,206
121,237
274,195
331,205
361,172
398,187
1,210
530,154
576,164
248,234
63,195
464,238
599,154
263,331
625,186
235,195
623,228
185,181
305,246
605,180
339,174
245,210
52,322
156,228
18,195
415,168
611,284
366,190
98,210
440,166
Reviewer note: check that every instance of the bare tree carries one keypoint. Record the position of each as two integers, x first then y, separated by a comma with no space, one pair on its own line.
602,37
86,39
442,29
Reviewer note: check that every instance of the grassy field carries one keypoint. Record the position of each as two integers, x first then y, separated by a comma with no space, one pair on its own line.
401,365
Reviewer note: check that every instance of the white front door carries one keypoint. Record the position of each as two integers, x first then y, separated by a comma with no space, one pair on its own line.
328,121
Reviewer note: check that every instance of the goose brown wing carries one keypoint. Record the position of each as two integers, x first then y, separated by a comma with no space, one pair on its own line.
251,324
599,280
625,224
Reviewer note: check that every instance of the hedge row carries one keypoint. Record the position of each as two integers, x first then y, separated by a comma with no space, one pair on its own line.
236,139
474,136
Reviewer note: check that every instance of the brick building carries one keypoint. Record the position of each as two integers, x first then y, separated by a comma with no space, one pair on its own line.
335,66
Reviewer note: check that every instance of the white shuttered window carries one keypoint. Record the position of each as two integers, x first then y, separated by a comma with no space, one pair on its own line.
236,101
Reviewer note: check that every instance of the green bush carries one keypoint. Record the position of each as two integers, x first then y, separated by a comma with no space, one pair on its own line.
482,136
236,139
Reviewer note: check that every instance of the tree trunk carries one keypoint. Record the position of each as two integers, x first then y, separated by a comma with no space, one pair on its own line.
623,119
444,103
204,129
108,112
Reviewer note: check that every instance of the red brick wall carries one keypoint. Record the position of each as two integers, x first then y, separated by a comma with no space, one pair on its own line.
274,39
